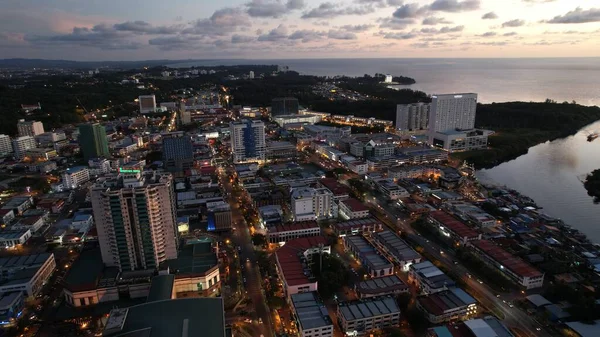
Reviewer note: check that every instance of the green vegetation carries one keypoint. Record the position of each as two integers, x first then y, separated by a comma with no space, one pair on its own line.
35,183
592,185
584,307
332,276
521,125
259,239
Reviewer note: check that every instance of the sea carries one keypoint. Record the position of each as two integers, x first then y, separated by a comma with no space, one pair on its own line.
550,173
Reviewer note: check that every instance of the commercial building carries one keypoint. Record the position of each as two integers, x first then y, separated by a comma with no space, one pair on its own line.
461,140
287,232
353,209
429,278
147,103
178,152
362,316
396,249
169,317
26,273
49,138
381,286
390,189
13,238
5,145
357,226
18,204
322,132
74,177
374,263
311,315
219,216
421,155
470,212
281,150
284,106
340,191
447,305
22,144
312,203
294,260
135,219
511,266
30,128
99,166
452,227
248,141
412,117
374,150
93,141
11,308
283,120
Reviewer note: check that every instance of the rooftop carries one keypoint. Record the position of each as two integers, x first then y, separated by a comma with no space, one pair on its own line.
169,318
505,259
397,247
367,308
197,258
381,285
432,275
453,225
88,270
334,186
487,327
289,261
76,169
311,312
444,301
354,205
357,223
367,253
294,226
161,288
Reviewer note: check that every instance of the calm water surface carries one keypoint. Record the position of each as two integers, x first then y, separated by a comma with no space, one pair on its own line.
551,174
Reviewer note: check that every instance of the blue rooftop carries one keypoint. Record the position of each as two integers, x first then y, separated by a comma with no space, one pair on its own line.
76,169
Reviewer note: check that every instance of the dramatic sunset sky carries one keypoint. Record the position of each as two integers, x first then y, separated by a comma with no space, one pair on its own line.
262,29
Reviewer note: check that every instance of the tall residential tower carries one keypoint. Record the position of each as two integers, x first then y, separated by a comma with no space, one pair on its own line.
248,141
30,128
93,141
135,217
412,117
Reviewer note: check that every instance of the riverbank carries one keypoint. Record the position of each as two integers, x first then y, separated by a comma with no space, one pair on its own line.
592,185
522,125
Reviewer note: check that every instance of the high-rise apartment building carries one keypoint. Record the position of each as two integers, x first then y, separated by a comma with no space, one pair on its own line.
248,141
147,103
412,117
178,152
284,106
22,144
29,128
452,112
135,217
312,204
93,141
5,145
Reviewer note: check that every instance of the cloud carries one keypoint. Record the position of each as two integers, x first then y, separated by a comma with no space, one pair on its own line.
275,34
538,1
356,28
513,23
178,41
143,27
578,16
331,10
100,36
306,35
380,3
443,30
399,36
267,8
455,6
432,21
510,34
395,23
236,38
12,39
221,23
489,16
488,34
341,35
408,11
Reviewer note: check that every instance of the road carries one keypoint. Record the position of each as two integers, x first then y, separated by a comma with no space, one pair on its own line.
513,317
250,270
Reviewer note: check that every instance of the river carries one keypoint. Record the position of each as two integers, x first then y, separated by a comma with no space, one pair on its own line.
551,173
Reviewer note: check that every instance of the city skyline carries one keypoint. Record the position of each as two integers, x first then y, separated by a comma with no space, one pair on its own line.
271,29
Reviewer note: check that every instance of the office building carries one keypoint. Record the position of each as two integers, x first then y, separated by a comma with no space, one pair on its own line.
49,138
459,140
412,117
311,315
219,216
284,233
283,120
74,177
178,152
135,218
147,103
93,141
312,204
26,273
30,128
248,141
360,317
5,145
251,75
284,106
353,209
22,144
452,304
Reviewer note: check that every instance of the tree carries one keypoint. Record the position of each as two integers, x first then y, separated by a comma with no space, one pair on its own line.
331,276
259,239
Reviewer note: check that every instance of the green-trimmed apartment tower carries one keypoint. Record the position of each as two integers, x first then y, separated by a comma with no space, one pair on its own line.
135,216
93,141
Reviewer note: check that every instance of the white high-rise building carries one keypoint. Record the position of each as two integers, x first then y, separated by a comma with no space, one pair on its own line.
30,128
251,75
312,204
412,117
452,112
323,204
135,216
5,145
388,78
147,103
22,144
248,141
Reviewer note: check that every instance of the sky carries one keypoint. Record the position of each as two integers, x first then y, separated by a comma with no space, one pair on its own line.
277,29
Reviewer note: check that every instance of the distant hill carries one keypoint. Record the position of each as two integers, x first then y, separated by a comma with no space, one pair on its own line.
66,64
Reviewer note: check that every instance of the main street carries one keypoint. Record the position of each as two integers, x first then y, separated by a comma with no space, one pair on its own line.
250,270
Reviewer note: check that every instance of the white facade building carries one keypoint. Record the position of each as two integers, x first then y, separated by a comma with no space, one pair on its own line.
388,78
147,103
22,144
5,145
30,128
248,141
313,204
75,177
412,117
451,112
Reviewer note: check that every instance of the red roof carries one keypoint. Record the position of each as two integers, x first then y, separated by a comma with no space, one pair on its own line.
334,186
289,261
355,205
453,225
506,259
294,226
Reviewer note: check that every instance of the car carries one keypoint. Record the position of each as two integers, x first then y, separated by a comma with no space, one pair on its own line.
244,280
480,281
538,328
248,259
